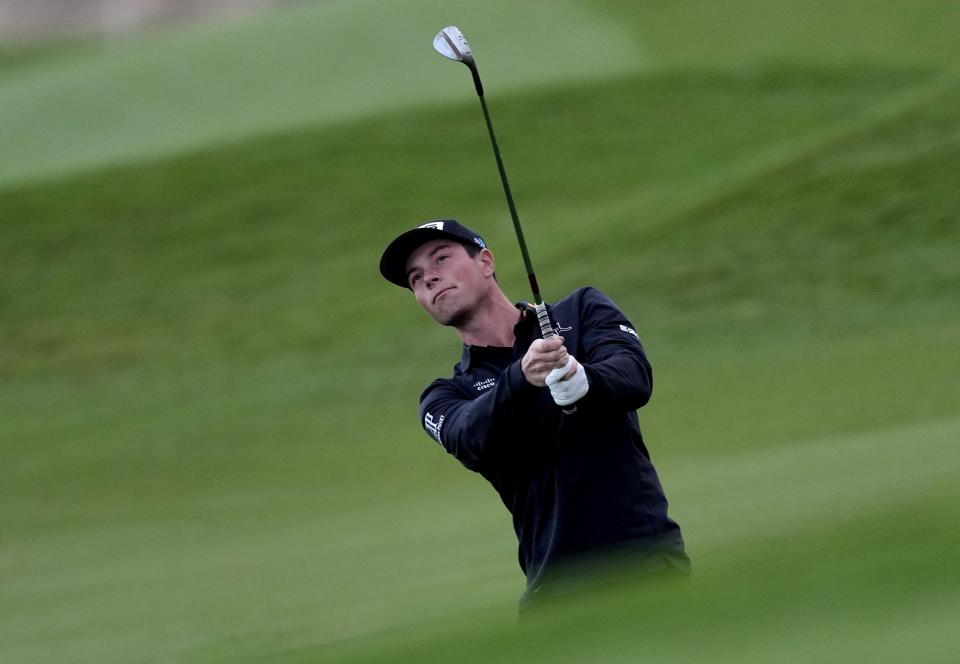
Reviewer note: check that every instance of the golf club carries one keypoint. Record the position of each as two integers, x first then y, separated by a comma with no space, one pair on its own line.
451,44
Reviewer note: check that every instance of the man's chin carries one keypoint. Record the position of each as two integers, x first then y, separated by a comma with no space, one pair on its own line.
453,318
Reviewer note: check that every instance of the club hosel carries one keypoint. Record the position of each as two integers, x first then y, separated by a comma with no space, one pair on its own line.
476,79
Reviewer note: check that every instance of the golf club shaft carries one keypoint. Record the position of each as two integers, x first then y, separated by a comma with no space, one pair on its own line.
546,328
543,316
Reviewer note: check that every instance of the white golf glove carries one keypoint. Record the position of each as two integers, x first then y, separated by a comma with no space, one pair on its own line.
570,391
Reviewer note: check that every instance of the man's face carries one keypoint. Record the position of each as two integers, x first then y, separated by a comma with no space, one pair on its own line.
447,281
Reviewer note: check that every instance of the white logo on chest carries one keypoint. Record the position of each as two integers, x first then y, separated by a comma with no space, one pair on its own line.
486,384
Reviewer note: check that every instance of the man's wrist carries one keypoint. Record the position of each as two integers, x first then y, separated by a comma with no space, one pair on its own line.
517,379
568,391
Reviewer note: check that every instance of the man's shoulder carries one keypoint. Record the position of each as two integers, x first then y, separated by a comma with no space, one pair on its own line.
579,297
440,386
456,381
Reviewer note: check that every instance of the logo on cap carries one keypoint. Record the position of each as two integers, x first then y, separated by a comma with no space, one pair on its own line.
438,225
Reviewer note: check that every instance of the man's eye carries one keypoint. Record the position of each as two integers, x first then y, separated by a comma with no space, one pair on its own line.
441,258
414,279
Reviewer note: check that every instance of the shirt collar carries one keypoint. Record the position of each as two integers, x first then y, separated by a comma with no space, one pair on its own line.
527,314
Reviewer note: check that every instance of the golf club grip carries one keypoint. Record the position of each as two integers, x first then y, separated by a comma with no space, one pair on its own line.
547,332
543,318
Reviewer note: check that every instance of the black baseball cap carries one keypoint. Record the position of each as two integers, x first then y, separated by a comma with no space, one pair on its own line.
393,263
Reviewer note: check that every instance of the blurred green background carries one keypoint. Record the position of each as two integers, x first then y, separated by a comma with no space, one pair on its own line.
209,448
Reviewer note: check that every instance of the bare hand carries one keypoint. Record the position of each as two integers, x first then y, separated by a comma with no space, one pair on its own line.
543,356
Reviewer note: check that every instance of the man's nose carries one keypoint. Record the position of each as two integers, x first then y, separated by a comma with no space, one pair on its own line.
431,279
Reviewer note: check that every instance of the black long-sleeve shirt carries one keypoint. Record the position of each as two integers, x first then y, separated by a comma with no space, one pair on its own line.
575,484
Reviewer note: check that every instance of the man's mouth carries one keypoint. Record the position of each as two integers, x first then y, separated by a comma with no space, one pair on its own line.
439,293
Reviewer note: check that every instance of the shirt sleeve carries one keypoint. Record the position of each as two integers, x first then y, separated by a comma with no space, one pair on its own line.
617,368
472,428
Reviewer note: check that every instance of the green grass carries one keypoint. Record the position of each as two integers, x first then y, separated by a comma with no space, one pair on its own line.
306,63
16,54
741,33
208,441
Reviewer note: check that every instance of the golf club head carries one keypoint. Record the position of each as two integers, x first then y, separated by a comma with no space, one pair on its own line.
451,44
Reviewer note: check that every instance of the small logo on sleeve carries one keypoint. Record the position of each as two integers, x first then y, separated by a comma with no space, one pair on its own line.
433,426
630,330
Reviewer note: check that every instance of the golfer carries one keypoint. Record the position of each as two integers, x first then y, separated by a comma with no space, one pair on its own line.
551,424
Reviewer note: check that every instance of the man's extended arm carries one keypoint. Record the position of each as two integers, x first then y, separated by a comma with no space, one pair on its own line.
469,427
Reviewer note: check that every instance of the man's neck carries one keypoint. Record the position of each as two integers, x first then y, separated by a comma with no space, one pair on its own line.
492,324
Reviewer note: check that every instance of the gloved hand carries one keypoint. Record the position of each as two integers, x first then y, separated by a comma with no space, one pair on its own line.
571,390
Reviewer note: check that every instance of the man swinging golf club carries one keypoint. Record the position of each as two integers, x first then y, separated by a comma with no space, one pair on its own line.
545,413
579,483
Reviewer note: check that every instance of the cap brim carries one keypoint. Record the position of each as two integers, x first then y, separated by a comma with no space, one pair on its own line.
393,263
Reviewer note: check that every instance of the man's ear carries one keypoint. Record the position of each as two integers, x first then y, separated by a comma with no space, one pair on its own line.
485,258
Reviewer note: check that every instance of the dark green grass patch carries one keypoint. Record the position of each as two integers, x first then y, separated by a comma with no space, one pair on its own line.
743,32
16,54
